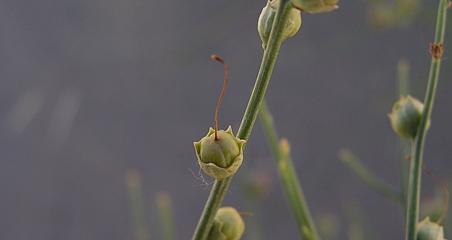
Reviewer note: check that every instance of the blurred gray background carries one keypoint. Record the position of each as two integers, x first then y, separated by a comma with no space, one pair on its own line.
90,89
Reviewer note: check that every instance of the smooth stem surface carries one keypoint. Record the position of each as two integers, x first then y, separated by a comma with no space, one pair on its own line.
382,188
220,187
403,147
414,182
289,178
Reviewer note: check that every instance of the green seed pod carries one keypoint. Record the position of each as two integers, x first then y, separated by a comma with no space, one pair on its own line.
405,116
315,6
427,230
228,225
221,157
265,22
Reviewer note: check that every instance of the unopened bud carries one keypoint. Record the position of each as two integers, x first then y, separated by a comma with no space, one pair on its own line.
220,155
405,116
228,225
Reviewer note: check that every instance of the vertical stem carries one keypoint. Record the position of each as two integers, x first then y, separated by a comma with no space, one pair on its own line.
289,178
414,182
403,147
133,184
163,202
220,187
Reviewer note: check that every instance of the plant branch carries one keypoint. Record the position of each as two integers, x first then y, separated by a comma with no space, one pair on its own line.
414,181
289,178
220,187
382,188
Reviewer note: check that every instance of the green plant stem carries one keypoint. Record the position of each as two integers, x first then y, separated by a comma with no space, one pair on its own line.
382,188
135,193
414,182
403,89
289,178
220,187
165,213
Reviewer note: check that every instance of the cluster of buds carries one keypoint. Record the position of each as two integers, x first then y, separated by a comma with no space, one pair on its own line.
227,225
293,24
267,16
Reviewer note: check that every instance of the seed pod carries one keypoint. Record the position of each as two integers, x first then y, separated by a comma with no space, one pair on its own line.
405,116
228,225
220,157
315,6
265,22
427,230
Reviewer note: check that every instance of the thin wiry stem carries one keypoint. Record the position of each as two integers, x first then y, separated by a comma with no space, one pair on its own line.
414,181
271,53
382,188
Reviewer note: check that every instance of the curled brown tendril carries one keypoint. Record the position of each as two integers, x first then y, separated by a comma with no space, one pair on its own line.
217,58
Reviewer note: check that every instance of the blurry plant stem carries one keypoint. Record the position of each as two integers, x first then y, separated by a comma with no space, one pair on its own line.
289,178
163,202
382,188
403,89
358,225
220,187
414,181
133,184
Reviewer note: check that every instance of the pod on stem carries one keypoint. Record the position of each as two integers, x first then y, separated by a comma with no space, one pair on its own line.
220,155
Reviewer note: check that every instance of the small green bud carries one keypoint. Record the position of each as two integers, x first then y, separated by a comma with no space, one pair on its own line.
427,230
228,225
265,22
220,157
315,6
405,116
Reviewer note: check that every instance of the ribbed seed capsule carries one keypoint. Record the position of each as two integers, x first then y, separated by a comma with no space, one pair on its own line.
427,230
315,6
228,225
265,22
405,116
222,157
